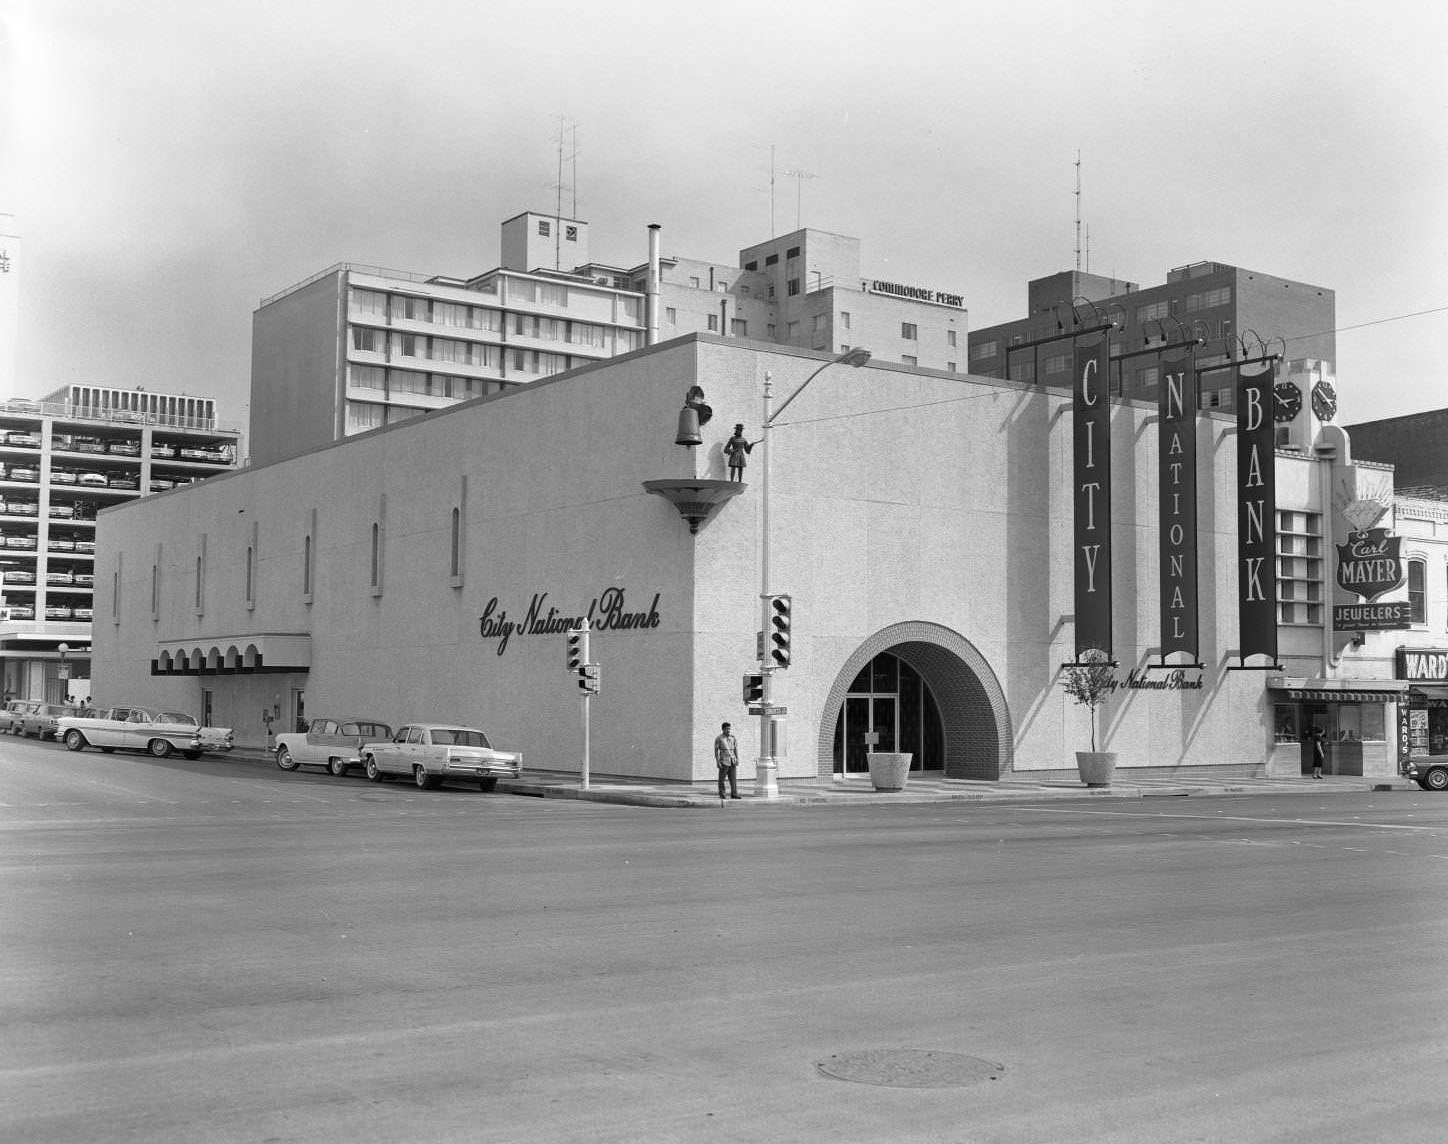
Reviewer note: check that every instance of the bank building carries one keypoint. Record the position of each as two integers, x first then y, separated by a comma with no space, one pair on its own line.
924,525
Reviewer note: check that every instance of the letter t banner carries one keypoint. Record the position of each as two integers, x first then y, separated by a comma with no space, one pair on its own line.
1256,515
1091,483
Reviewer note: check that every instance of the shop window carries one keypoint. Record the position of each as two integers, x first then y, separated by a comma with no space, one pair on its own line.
1417,603
1284,722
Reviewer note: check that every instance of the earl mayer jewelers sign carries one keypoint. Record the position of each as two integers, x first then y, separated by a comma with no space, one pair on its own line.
609,612
1368,565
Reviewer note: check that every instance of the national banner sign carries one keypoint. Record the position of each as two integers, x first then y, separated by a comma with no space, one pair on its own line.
1256,515
1091,472
1177,507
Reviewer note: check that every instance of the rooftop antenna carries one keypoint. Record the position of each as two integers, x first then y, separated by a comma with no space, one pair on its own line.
573,177
799,175
564,126
1088,248
1078,210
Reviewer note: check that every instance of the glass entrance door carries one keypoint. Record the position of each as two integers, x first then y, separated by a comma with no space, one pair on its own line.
889,702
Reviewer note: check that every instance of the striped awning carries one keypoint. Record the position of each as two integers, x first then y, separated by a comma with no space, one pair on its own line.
1340,695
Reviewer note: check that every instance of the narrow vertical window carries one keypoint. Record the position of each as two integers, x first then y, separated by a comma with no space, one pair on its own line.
376,562
455,543
198,583
155,591
1417,605
250,575
307,566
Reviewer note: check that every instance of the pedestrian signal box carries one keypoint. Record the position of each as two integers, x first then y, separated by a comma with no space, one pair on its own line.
590,678
753,688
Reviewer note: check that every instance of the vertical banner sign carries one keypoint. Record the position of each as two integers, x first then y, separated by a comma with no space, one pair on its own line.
1091,472
1256,515
1177,507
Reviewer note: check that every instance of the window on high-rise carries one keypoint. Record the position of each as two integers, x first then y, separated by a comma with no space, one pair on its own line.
545,228
909,331
950,337
793,287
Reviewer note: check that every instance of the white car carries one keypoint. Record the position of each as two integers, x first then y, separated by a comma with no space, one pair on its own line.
332,743
432,752
142,729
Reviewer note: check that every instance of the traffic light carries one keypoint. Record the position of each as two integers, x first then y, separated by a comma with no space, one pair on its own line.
779,609
577,648
590,677
754,688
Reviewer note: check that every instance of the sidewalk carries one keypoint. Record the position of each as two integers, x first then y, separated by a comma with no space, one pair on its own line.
857,791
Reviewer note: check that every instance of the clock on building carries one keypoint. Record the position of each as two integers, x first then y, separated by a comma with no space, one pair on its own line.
1324,401
1289,401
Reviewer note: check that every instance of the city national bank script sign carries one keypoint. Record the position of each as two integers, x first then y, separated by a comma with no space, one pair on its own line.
609,612
1368,565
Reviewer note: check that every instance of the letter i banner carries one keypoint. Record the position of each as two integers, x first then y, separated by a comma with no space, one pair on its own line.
1091,482
1256,515
1177,507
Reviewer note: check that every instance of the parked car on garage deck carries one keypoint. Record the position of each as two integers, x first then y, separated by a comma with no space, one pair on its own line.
332,743
143,729
433,752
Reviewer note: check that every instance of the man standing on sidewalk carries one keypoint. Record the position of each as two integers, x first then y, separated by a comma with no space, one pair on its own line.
726,758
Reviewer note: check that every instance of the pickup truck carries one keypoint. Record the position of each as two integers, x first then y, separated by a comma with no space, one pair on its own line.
331,743
142,729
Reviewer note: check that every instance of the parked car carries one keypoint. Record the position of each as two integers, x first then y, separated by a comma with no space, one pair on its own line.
143,729
125,482
161,484
160,450
41,720
62,477
332,743
84,579
124,448
97,479
21,611
18,576
12,711
28,440
432,752
81,614
85,545
27,542
22,473
54,543
1429,773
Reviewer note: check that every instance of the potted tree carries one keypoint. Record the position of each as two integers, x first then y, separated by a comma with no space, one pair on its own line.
1089,681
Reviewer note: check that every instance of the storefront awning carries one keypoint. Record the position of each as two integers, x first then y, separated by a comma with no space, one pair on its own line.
1345,691
234,655
1438,692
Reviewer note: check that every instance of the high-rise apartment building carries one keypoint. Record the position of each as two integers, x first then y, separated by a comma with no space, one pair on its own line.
1228,309
354,348
64,458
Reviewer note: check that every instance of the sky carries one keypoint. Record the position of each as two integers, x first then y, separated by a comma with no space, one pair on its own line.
168,163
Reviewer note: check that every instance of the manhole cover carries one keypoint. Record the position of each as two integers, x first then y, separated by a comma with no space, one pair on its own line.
910,1068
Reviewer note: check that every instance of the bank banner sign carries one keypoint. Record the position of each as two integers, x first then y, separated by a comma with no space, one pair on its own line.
1177,508
1091,473
1256,514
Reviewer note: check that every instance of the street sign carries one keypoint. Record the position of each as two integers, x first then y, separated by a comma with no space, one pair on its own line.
769,711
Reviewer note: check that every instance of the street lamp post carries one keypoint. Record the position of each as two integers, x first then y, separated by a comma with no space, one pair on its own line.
766,773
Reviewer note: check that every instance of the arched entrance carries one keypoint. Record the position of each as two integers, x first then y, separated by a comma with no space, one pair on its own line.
920,688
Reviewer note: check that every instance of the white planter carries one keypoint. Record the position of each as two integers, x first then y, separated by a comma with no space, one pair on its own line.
888,769
1096,767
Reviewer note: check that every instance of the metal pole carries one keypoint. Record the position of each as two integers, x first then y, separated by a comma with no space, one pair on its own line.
766,771
587,696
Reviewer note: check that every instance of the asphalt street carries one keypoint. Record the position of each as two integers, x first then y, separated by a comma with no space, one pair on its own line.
218,951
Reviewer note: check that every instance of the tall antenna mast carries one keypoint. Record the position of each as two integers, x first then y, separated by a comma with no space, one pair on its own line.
573,178
772,231
1078,209
558,209
799,174
1088,248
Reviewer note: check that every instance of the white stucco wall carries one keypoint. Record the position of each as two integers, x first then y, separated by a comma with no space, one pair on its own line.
897,497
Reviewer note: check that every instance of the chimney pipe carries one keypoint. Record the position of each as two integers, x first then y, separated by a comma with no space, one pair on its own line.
651,289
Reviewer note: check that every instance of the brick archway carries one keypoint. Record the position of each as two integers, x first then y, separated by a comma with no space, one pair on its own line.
979,741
